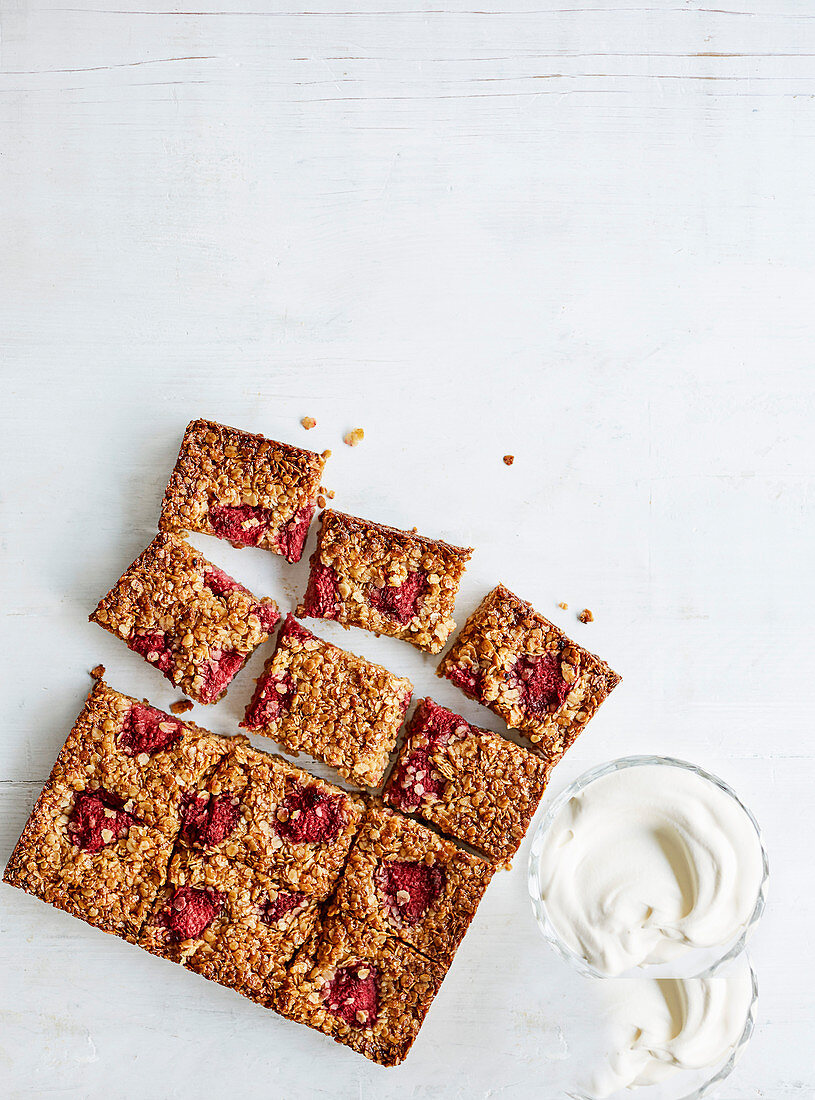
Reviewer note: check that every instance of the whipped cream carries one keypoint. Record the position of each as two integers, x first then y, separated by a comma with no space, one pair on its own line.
646,863
659,1027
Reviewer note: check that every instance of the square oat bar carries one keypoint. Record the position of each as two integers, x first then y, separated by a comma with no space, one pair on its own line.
317,698
186,617
228,923
244,488
472,784
260,810
514,661
403,880
362,988
99,839
381,579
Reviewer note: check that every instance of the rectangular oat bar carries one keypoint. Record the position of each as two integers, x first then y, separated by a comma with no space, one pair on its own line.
228,923
362,988
514,661
405,881
262,811
384,580
99,839
472,784
186,617
244,488
317,698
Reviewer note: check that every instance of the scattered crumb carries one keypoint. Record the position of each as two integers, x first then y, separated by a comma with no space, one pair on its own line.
308,422
321,501
509,459
181,707
563,606
354,437
98,672
326,454
586,616
330,494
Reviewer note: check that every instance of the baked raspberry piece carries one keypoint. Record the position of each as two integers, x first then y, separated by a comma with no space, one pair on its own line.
317,698
275,909
362,987
517,663
147,730
244,488
405,881
213,917
388,581
187,912
207,820
98,817
186,617
287,824
472,784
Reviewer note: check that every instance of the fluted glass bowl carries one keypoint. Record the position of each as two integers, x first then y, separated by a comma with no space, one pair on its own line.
695,962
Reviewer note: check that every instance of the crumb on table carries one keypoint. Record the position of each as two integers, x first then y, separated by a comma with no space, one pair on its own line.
563,606
586,616
181,706
308,422
98,672
354,437
509,459
321,501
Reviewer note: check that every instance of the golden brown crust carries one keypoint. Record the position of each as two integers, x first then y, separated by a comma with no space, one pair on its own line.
227,467
363,556
239,949
338,707
114,887
504,628
407,983
387,836
470,783
165,595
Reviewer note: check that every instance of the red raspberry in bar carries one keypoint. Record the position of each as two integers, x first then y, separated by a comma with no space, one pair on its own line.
97,819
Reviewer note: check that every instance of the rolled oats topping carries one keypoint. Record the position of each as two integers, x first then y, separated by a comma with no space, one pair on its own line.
388,581
186,617
514,661
362,987
242,487
470,783
315,697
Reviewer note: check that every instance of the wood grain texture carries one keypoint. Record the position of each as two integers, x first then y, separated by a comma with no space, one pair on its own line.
579,234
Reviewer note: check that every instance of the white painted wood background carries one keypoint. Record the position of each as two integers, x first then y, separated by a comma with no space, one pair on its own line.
581,234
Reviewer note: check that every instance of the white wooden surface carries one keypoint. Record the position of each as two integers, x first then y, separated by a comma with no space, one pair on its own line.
578,233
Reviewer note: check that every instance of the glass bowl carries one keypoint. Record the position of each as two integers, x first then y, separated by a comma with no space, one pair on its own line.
686,1083
695,962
